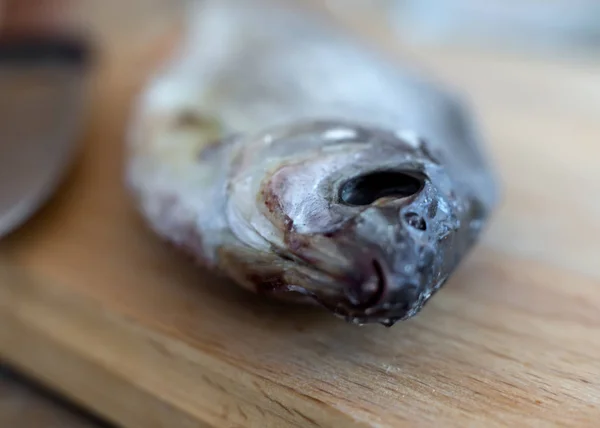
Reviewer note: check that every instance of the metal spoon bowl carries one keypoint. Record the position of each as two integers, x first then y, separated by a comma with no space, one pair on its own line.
42,103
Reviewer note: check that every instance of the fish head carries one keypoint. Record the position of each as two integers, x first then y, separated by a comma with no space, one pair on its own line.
366,222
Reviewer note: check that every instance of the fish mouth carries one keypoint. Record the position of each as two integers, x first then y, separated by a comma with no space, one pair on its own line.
386,314
365,288
365,299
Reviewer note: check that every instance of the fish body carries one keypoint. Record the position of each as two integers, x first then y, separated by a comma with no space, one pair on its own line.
283,152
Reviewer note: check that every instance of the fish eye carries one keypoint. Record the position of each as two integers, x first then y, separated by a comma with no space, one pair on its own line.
368,188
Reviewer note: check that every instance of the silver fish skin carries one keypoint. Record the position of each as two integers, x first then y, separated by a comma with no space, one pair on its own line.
303,164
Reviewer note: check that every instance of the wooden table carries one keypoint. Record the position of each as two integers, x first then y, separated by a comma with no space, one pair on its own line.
93,305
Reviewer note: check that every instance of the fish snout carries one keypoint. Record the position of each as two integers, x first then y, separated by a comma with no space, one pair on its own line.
390,285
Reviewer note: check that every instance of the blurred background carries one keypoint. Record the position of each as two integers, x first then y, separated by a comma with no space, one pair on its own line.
531,68
526,26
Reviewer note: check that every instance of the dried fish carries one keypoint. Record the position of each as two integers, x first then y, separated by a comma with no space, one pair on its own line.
287,154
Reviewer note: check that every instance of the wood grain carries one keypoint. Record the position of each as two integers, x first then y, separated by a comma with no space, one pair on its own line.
94,305
25,405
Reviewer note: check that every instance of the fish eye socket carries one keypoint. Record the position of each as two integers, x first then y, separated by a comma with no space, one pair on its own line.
368,188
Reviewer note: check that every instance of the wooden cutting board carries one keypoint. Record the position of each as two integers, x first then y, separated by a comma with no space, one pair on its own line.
93,305
25,405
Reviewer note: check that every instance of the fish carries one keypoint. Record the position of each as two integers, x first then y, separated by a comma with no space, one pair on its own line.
307,165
